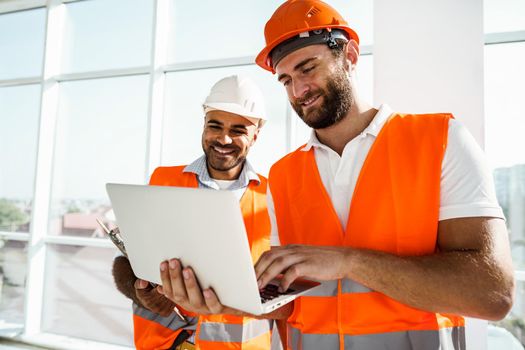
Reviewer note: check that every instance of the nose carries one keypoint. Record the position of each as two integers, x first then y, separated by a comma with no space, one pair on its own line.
224,138
299,88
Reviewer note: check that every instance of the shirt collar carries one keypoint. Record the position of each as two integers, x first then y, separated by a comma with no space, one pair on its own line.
199,168
372,129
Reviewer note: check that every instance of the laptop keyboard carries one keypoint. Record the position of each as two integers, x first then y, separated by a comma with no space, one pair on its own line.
271,291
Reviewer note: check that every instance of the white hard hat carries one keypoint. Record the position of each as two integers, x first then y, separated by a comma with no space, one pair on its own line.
239,95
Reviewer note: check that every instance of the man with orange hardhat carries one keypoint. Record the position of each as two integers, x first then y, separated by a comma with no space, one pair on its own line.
395,213
234,113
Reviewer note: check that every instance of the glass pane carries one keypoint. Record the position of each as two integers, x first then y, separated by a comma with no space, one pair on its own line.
13,273
505,123
22,43
510,189
509,334
504,15
365,86
183,120
101,137
19,110
80,297
238,29
107,34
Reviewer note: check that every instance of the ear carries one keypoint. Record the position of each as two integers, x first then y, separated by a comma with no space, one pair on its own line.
255,135
352,53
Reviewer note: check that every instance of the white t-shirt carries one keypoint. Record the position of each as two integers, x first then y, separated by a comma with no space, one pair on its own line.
224,184
467,187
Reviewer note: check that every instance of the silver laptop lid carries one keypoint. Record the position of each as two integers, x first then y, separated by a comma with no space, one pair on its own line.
203,228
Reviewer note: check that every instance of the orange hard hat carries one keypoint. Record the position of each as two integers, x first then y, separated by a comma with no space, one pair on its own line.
295,17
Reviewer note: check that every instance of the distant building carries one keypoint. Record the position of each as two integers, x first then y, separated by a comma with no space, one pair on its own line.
85,224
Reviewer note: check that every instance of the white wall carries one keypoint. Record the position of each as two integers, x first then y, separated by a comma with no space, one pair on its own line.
428,57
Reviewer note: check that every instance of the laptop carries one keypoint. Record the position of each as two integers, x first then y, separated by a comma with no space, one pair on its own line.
203,228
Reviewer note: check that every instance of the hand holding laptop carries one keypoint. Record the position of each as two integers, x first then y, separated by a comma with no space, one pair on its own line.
180,285
160,223
152,300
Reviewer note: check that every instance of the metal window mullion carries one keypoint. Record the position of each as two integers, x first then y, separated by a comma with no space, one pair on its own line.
209,64
101,74
39,223
505,37
365,50
8,6
20,81
61,342
14,236
157,86
71,1
79,241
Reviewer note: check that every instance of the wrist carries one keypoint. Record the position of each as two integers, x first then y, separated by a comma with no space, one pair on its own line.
349,257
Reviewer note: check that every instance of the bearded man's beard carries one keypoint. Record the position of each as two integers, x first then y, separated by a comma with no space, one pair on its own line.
337,101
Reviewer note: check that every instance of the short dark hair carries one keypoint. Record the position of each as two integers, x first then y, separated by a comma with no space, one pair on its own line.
339,49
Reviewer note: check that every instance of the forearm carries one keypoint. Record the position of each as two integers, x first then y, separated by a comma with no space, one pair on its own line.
460,282
125,278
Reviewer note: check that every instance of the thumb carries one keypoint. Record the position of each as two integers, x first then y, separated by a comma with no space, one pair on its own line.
141,284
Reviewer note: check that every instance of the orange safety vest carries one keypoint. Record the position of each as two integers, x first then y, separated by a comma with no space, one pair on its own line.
394,209
152,331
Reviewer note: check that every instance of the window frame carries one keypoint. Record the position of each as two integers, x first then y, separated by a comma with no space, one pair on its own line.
38,239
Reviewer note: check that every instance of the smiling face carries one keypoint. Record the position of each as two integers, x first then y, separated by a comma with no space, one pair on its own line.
226,141
317,85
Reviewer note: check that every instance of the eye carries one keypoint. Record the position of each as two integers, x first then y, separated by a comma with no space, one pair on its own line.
238,132
286,82
214,127
309,69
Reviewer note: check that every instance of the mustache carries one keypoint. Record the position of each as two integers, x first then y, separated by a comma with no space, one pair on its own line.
218,144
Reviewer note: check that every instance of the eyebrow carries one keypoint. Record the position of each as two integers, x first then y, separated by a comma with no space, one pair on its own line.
235,126
239,126
298,66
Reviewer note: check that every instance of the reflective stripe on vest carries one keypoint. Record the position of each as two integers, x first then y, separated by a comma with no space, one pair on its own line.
239,333
172,322
213,332
394,209
329,288
443,339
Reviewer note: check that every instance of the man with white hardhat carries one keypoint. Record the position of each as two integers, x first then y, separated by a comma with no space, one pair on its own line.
234,114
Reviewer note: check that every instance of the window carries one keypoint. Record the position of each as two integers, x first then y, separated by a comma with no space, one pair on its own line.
107,34
79,291
504,140
121,94
18,140
100,137
22,43
13,273
504,16
505,124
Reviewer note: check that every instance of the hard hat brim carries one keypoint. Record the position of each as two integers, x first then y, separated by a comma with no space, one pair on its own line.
263,58
235,109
